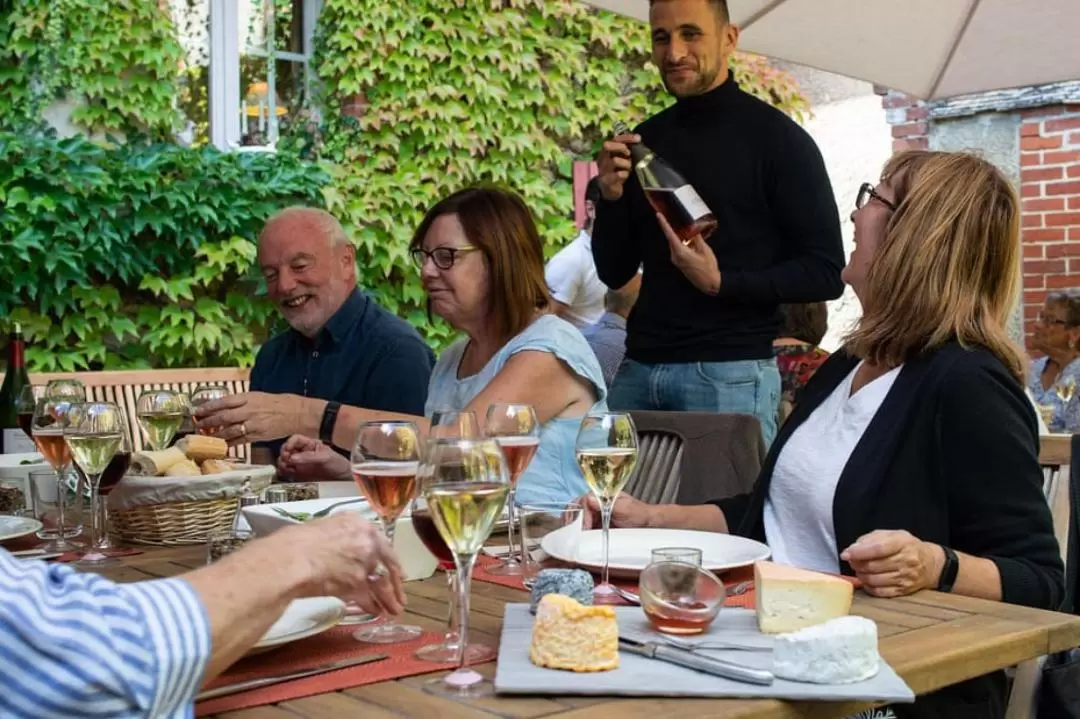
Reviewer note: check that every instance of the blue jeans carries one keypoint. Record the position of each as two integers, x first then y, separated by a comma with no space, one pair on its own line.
744,387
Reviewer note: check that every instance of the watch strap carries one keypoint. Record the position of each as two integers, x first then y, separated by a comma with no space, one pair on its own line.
329,419
948,571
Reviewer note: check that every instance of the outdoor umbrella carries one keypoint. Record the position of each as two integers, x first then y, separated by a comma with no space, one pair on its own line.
927,48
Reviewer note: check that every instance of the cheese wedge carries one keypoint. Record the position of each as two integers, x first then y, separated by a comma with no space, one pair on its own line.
788,599
569,635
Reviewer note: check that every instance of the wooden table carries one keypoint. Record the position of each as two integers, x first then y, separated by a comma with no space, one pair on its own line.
931,639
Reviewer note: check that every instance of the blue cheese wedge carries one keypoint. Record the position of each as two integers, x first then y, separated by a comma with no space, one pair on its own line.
568,635
574,583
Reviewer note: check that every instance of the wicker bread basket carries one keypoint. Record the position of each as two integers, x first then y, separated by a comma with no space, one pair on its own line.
171,511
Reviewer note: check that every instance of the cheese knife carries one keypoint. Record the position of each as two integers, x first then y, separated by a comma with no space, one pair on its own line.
697,662
287,676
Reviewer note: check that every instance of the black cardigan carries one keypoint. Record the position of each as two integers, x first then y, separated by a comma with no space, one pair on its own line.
952,457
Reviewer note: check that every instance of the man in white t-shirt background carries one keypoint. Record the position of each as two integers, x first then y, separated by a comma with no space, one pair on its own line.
571,273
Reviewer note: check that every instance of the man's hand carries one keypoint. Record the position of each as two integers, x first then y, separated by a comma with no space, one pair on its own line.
626,512
695,259
345,556
613,164
894,563
307,459
252,416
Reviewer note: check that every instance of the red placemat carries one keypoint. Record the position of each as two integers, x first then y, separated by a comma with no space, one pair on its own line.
730,579
32,542
329,646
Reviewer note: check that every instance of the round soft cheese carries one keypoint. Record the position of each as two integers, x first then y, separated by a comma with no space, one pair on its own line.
839,651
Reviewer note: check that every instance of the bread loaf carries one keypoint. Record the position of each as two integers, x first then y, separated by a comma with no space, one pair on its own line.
187,468
200,448
216,466
155,464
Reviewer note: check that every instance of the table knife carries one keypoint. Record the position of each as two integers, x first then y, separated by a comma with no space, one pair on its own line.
698,662
288,676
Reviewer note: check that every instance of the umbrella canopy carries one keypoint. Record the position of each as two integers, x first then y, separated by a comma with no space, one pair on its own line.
927,48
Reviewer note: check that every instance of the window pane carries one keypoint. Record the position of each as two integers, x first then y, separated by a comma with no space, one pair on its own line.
192,21
255,17
288,26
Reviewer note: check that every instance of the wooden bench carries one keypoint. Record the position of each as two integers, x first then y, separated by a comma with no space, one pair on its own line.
124,388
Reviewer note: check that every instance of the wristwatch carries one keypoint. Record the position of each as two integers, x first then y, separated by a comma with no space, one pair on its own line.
329,419
948,571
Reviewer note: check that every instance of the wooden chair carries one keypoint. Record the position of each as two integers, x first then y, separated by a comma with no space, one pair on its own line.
124,388
1055,456
692,457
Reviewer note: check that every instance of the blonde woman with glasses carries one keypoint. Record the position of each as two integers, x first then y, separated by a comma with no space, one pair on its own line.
911,459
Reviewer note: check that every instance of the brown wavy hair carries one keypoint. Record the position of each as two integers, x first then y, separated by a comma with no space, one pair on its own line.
499,223
949,265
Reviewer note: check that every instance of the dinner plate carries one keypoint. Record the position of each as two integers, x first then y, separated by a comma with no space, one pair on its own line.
302,618
631,549
15,527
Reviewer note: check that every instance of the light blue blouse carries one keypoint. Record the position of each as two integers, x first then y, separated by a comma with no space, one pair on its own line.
553,475
1066,414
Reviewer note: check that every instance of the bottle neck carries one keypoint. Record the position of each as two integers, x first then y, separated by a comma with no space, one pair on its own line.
640,154
16,349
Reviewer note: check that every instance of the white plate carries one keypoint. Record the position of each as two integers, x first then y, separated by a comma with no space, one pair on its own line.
631,549
302,618
15,527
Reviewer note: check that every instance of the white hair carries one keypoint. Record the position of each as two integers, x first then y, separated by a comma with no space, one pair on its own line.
322,222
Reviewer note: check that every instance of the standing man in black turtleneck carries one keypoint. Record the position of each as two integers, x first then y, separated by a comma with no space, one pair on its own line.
700,336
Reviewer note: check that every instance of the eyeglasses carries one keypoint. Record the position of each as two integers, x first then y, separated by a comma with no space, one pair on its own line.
866,193
443,257
1047,320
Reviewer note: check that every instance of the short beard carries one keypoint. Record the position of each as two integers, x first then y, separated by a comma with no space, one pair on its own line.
703,84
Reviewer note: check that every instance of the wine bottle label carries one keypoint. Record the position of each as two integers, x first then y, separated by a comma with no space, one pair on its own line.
16,442
691,201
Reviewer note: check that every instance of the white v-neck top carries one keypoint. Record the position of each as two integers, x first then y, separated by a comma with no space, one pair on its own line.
799,509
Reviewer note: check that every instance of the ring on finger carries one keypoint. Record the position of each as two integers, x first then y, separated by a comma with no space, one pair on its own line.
243,429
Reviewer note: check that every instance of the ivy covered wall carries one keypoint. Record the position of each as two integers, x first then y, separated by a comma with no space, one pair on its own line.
140,252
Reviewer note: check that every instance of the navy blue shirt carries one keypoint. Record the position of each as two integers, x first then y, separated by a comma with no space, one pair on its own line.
364,356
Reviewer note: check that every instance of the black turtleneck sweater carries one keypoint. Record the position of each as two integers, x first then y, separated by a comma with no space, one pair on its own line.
777,240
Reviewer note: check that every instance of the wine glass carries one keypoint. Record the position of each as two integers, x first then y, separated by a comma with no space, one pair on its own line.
160,413
385,461
24,408
465,494
51,416
69,388
517,431
94,433
114,472
452,425
1065,389
607,451
207,393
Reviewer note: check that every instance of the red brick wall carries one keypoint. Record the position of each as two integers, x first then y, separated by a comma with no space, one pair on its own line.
1049,190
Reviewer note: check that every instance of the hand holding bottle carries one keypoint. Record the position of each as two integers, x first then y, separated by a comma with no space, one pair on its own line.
614,165
694,258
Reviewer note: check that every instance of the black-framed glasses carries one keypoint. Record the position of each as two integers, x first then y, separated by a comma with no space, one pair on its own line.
867,193
443,257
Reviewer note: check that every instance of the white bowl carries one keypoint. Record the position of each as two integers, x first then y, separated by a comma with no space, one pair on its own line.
415,558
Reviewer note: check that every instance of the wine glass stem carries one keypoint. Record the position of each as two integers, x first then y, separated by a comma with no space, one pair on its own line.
103,520
61,496
605,517
95,509
511,515
451,615
464,564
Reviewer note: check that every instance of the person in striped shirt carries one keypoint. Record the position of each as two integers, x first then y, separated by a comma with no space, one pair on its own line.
78,645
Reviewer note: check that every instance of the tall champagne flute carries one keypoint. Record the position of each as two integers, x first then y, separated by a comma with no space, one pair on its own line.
47,428
94,433
517,431
385,461
607,451
465,493
161,413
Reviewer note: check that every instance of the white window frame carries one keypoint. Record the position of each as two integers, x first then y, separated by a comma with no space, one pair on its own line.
225,51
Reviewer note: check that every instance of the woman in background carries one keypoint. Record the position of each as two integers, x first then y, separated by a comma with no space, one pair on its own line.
1053,378
797,352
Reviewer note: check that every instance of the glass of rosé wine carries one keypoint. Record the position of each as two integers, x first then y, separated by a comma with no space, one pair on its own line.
516,430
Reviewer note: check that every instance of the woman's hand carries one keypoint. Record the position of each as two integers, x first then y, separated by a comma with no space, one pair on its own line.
308,459
626,512
894,563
